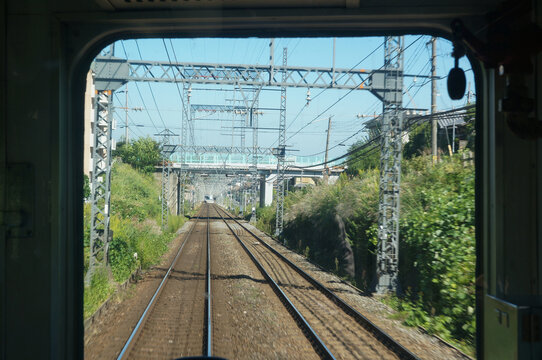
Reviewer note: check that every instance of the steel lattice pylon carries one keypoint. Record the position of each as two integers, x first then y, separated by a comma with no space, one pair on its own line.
165,190
390,166
251,104
255,157
166,170
100,182
184,141
281,150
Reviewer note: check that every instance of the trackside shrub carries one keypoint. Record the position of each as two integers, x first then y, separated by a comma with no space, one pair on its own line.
138,241
437,245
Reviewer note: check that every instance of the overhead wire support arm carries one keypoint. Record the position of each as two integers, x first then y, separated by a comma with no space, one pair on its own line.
217,149
117,69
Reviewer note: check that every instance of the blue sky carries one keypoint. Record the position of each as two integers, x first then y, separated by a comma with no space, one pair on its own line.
165,108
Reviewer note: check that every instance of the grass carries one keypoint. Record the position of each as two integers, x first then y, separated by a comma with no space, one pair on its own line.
97,293
138,241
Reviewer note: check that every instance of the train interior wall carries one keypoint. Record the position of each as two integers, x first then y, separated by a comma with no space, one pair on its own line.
46,51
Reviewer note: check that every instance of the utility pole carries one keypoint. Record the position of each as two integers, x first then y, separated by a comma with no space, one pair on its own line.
126,115
126,108
326,166
434,123
333,65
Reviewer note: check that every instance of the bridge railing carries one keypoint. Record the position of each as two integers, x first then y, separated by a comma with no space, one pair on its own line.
219,159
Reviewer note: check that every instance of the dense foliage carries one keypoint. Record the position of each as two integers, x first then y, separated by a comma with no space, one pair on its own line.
143,154
138,241
362,160
437,254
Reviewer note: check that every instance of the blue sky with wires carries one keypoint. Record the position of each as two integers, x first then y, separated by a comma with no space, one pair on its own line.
306,124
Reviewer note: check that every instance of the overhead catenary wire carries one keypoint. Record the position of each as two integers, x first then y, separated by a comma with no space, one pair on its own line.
416,121
139,92
321,92
150,88
348,93
130,119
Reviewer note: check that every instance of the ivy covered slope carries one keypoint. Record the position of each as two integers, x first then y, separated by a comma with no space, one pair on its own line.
138,240
335,226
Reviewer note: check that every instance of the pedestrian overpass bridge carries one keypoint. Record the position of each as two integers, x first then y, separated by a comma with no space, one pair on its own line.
214,163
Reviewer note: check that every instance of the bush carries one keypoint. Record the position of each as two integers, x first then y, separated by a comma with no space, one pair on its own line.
437,247
135,207
143,154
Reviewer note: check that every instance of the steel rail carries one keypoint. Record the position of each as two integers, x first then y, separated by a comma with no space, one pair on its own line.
135,332
315,340
381,335
207,346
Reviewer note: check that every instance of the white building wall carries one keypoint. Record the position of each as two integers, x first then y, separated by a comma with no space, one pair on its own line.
90,91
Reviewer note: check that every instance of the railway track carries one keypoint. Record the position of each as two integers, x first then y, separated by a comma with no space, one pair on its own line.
177,319
335,329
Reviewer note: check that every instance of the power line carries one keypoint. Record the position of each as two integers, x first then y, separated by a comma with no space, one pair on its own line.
349,91
129,117
321,92
421,121
139,92
150,87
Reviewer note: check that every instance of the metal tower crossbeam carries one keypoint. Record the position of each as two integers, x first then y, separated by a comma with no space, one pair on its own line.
100,182
390,167
219,108
112,70
214,149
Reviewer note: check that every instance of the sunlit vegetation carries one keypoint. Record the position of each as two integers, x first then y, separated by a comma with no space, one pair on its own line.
335,226
138,241
143,154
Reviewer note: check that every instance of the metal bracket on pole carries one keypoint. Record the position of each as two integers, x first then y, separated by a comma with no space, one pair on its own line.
390,167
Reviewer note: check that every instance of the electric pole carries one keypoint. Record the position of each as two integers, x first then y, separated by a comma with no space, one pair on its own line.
434,123
126,115
326,166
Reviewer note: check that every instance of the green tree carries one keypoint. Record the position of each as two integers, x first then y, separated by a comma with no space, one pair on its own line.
143,154
367,158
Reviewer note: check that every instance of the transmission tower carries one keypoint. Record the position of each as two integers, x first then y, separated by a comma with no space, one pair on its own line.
166,169
100,182
255,157
281,150
185,135
390,166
